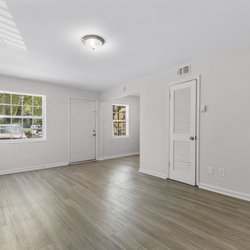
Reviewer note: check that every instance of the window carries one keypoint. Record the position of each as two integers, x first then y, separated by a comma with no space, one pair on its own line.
120,120
22,117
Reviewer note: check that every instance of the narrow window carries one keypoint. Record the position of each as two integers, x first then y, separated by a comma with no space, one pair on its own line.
22,117
120,120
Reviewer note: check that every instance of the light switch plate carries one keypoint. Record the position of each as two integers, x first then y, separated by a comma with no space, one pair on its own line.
222,172
203,108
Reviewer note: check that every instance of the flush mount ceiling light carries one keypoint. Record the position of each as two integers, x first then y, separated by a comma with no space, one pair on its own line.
93,41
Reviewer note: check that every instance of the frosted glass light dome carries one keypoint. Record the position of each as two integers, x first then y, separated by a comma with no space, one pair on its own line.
93,41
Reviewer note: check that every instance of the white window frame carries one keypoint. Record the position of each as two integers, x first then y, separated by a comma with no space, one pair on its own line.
126,121
44,138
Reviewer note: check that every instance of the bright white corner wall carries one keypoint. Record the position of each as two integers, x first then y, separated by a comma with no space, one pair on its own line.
110,147
224,129
15,157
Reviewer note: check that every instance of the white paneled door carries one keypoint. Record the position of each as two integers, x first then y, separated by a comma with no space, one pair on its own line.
82,130
183,106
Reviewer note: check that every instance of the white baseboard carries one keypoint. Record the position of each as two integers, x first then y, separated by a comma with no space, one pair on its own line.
224,191
116,156
46,166
153,173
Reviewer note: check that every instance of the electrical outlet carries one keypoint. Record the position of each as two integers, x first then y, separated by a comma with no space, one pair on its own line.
222,172
210,170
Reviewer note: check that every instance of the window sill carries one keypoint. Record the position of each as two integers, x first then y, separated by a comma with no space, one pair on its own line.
120,137
22,141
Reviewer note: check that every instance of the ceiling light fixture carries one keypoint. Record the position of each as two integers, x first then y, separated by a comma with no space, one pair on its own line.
93,41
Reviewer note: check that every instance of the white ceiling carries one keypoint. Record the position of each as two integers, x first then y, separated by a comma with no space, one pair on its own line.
142,37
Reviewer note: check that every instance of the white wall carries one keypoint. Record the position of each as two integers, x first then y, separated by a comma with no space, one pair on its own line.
110,147
224,131
16,157
225,128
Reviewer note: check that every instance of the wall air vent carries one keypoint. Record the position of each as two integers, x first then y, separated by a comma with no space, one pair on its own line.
184,70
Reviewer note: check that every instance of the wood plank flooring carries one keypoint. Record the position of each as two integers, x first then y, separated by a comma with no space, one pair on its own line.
109,205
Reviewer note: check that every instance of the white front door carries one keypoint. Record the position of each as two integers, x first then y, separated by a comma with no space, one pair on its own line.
183,101
82,130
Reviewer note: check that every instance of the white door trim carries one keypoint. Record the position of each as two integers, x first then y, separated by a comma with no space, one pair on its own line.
69,124
198,81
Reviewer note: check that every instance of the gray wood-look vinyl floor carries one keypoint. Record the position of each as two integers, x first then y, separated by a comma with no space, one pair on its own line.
109,205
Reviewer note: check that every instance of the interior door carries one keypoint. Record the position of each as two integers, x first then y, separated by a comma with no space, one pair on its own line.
183,102
82,130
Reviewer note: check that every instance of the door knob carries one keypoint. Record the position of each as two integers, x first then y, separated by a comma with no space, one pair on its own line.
192,138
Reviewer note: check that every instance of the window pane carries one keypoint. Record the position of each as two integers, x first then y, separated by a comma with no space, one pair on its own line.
119,131
27,123
5,128
17,99
16,110
27,100
115,128
4,121
115,116
16,121
1,97
4,109
122,109
38,101
27,110
119,108
17,129
37,111
115,108
121,127
37,128
122,116
6,98
7,109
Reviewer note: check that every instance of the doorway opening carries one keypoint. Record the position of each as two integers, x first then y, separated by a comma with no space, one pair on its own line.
120,127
